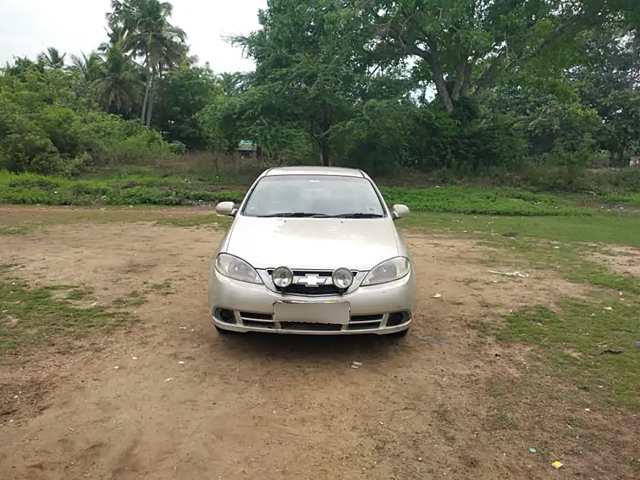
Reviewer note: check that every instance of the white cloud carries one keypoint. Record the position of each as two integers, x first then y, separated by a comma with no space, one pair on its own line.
27,27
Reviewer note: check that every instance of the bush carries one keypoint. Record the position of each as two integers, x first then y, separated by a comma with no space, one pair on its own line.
45,129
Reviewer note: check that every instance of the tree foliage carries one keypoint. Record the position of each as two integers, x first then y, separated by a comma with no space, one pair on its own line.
46,128
471,84
465,87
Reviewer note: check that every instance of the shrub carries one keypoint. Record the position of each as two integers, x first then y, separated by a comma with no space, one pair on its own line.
45,129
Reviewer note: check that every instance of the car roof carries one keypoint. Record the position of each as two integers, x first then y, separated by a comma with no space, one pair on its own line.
333,171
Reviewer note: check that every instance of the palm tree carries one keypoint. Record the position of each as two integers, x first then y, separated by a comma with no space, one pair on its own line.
118,84
87,66
147,34
52,58
88,69
115,34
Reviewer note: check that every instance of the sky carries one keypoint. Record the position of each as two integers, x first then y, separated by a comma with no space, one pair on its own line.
28,27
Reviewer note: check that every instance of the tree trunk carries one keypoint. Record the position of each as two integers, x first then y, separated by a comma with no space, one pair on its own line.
633,71
325,152
152,96
438,76
147,89
216,162
441,88
461,74
431,57
235,161
146,100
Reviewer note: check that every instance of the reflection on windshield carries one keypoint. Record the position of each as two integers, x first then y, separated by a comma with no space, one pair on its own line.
314,196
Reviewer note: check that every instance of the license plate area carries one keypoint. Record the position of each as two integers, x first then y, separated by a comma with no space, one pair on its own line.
312,312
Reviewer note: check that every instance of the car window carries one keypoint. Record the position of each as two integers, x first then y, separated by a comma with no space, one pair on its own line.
314,195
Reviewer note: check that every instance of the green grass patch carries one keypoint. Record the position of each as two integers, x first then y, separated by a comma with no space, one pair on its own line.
163,288
610,227
484,201
175,190
573,339
132,299
629,198
7,230
33,189
78,294
571,332
32,317
199,220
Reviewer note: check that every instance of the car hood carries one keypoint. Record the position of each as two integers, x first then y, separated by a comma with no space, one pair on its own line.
313,243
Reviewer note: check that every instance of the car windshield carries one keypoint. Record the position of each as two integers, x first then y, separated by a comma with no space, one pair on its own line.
314,196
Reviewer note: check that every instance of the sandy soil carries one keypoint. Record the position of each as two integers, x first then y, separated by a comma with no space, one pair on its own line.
445,402
620,259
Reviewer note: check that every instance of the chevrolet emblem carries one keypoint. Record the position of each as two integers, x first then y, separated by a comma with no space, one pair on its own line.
310,280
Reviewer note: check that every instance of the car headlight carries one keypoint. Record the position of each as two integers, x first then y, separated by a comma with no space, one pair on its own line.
282,277
388,271
342,278
236,268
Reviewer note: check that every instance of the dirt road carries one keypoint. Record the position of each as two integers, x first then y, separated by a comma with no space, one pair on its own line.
185,403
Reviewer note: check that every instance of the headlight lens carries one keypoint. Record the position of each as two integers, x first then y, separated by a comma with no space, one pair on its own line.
342,278
282,277
236,268
388,271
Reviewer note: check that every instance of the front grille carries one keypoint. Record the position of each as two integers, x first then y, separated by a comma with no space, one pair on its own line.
364,322
254,324
257,320
265,320
318,327
265,317
298,287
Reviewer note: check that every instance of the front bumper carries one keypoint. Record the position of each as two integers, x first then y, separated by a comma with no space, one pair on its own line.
242,307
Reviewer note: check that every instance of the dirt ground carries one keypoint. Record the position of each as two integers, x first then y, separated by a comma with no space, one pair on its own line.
620,259
445,402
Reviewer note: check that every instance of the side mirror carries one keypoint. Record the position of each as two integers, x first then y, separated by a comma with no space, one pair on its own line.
226,208
399,211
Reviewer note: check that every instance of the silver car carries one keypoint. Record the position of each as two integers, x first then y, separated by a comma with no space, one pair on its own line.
313,251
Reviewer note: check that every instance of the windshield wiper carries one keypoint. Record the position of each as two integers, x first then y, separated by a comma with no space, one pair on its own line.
357,215
295,215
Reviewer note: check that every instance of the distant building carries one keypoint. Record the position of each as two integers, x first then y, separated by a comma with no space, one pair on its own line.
634,162
247,146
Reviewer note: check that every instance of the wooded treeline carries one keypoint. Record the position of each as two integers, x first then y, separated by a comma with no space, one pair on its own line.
467,86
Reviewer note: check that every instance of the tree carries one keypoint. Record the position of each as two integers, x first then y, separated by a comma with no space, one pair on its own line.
22,65
235,83
52,58
305,80
182,93
466,46
608,81
118,82
88,69
147,34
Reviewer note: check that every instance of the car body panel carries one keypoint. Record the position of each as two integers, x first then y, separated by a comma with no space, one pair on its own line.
254,298
313,243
